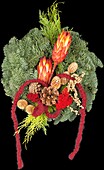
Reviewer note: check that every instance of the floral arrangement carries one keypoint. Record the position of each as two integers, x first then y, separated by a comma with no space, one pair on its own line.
51,75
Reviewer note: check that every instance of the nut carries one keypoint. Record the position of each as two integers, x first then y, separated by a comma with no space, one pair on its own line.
29,109
64,81
22,103
72,67
56,82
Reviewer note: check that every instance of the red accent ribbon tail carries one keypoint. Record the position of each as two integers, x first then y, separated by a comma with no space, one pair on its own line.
79,135
15,121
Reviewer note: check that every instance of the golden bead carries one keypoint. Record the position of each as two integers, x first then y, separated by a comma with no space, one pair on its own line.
72,67
29,109
22,103
56,82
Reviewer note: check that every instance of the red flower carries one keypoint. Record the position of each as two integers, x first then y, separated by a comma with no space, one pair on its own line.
33,97
64,100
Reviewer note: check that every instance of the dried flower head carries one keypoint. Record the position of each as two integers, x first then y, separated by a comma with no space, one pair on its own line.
44,69
61,47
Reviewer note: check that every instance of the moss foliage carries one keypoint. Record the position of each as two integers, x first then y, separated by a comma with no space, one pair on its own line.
22,56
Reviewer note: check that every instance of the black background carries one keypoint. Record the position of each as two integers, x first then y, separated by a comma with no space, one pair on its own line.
51,151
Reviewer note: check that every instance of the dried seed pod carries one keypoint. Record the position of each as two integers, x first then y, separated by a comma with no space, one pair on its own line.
34,87
22,103
54,97
44,95
56,82
43,100
72,67
53,102
29,109
44,90
48,102
55,92
64,81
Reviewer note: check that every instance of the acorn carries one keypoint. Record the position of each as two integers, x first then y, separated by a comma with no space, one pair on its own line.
22,103
72,67
56,82
29,109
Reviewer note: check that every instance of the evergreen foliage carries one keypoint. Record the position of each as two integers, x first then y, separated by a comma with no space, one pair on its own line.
21,57
32,125
50,23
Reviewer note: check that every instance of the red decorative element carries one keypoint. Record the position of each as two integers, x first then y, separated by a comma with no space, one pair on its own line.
17,136
53,115
33,97
79,135
44,109
64,100
82,94
61,47
15,121
40,109
82,118
44,69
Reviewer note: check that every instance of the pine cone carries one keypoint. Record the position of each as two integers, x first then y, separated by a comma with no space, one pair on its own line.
49,96
35,88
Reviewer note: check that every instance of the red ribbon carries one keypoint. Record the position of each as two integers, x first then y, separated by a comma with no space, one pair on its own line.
49,115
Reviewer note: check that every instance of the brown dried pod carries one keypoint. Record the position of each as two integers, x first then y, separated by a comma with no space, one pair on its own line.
72,67
64,81
48,102
55,92
53,102
29,109
56,82
22,103
34,87
44,90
